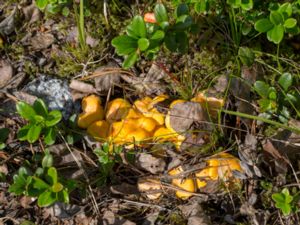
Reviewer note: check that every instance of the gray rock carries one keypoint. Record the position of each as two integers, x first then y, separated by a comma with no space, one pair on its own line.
55,92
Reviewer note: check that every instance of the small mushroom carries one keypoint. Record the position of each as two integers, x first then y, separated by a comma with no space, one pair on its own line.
117,109
187,184
212,104
92,111
99,129
219,167
146,107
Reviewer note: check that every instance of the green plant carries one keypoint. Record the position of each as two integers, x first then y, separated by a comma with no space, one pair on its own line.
3,136
80,24
44,183
279,22
108,156
278,100
40,121
54,6
285,201
147,38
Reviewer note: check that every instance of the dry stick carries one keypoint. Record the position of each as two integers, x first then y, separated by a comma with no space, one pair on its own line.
84,173
108,71
143,204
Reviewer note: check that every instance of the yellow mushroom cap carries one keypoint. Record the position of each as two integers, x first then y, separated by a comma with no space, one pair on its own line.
92,111
148,185
186,184
218,167
117,109
142,104
146,107
147,123
133,114
163,134
99,129
211,103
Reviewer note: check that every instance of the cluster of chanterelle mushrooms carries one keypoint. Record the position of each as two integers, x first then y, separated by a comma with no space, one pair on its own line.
140,124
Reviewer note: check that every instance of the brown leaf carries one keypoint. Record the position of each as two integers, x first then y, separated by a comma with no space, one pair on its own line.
124,189
32,13
152,84
183,115
150,163
6,73
279,161
82,86
42,41
106,81
7,26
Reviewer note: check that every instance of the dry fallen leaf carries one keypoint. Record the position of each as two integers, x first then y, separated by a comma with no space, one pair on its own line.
42,41
106,81
7,26
152,83
183,115
6,73
150,163
81,86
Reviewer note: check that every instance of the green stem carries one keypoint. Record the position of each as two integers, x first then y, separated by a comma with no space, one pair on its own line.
277,57
281,125
81,24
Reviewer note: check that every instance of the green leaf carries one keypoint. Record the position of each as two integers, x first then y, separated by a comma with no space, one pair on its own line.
47,160
160,13
25,110
27,222
137,28
50,136
261,88
278,197
246,28
246,56
65,196
285,81
143,44
288,197
286,209
201,6
52,173
290,23
276,34
286,8
53,8
41,4
158,35
3,134
183,22
265,104
263,25
247,4
276,18
234,3
65,11
53,118
130,60
34,133
40,107
124,45
272,94
39,184
23,132
182,9
47,198
57,187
